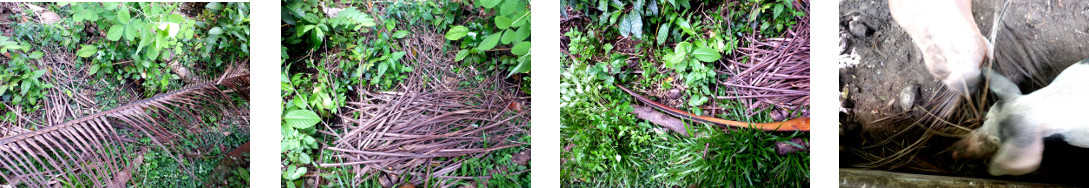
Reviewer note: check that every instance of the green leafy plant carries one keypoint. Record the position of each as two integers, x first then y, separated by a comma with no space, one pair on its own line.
142,36
297,129
227,30
688,61
20,82
511,22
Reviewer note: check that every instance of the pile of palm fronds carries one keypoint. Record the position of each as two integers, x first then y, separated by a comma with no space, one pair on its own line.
776,74
90,148
423,131
420,134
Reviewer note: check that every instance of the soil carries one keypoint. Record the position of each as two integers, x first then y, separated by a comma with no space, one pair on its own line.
1039,39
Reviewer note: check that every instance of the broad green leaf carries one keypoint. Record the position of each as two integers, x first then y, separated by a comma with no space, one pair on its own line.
215,31
301,119
461,55
36,55
625,26
302,30
502,22
683,48
663,33
93,70
115,32
508,36
520,20
522,34
382,67
175,18
133,29
457,32
778,10
123,15
520,49
676,59
153,52
400,34
510,7
396,56
706,54
489,3
687,28
523,66
38,74
652,8
294,173
636,24
489,42
110,5
214,6
26,87
304,158
86,51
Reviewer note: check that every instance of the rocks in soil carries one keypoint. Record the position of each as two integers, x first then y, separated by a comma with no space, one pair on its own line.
858,28
784,148
674,93
907,97
49,17
521,158
388,180
778,115
844,43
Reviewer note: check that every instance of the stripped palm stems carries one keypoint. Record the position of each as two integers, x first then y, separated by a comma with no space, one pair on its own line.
89,148
420,135
777,76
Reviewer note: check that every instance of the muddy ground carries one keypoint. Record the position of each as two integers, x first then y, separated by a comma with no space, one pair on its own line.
1037,40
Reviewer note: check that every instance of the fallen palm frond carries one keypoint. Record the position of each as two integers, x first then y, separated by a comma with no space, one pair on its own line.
423,131
776,76
89,148
422,135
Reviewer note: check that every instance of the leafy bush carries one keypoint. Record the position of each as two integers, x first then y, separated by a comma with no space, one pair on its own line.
511,26
20,82
145,40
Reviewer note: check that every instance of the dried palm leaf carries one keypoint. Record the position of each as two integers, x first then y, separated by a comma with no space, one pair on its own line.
89,148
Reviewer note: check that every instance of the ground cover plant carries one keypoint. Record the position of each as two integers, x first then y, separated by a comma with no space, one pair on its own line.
737,60
124,94
396,93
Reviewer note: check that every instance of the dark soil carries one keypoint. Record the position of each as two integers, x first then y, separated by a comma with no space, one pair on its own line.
1038,40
